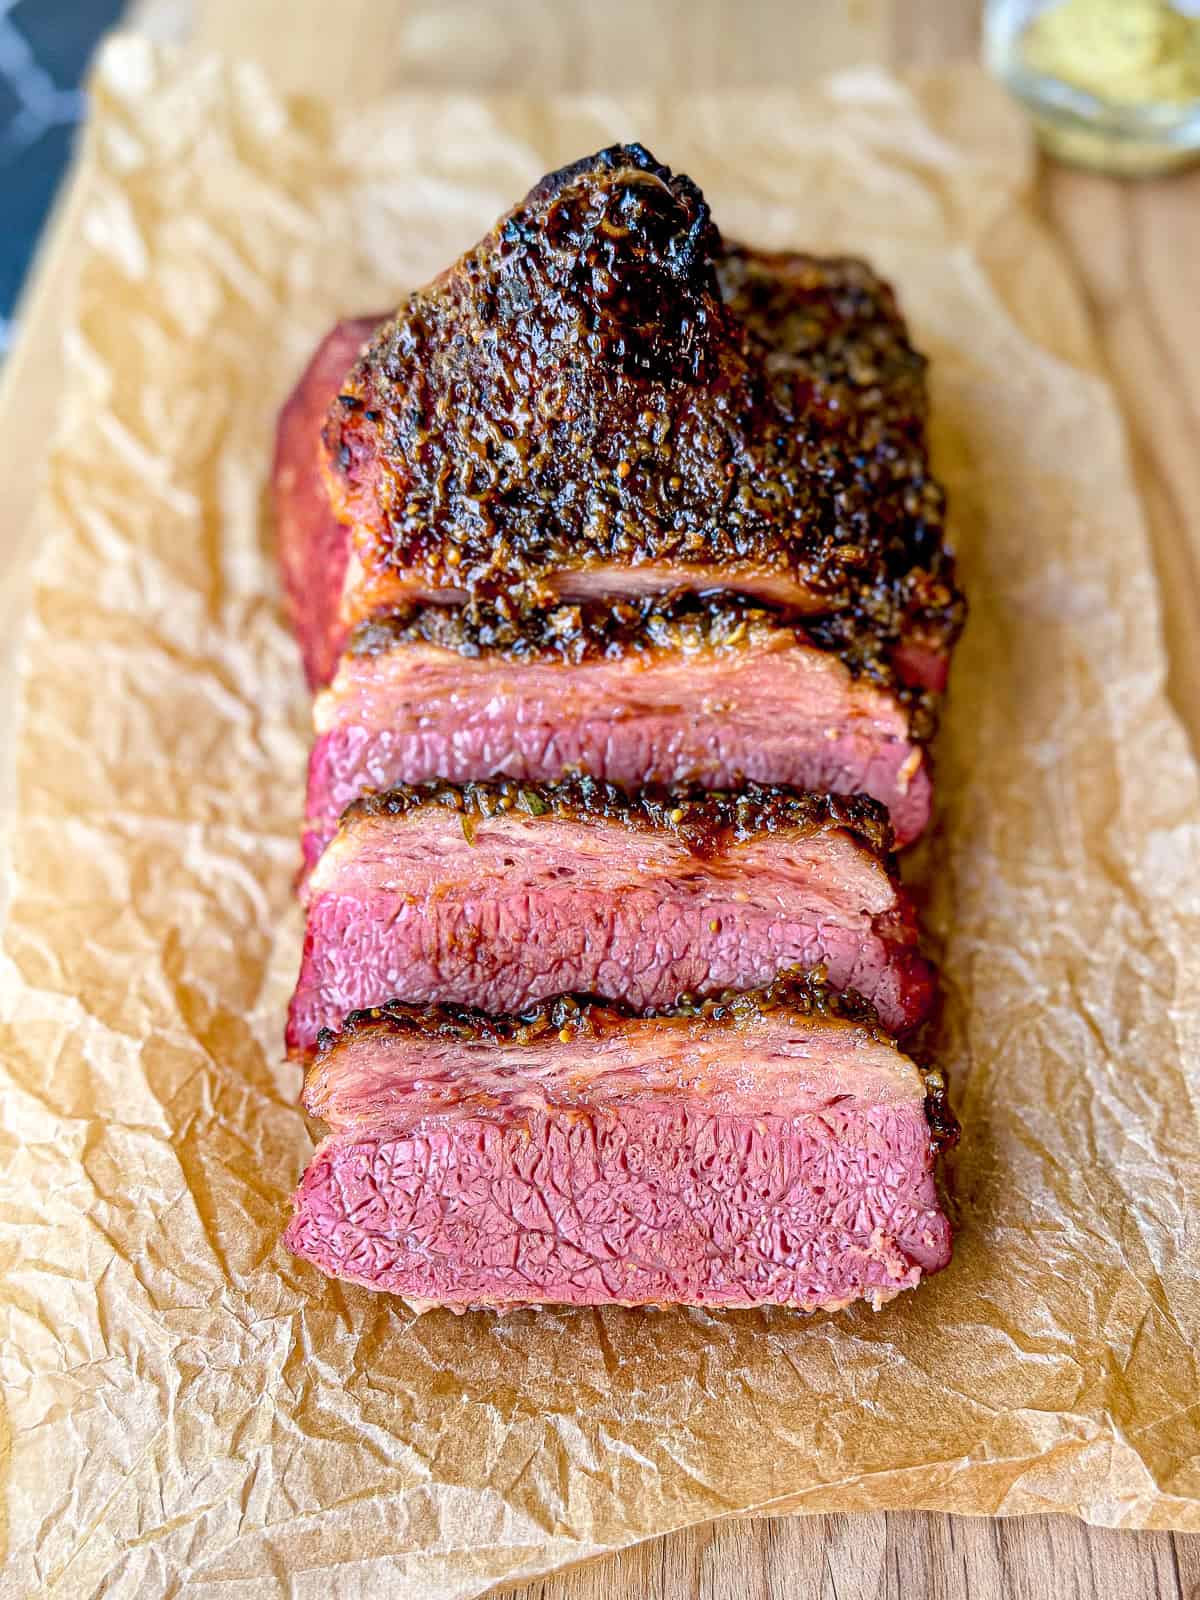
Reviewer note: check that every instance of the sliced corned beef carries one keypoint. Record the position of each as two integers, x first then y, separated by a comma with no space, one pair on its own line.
611,497
773,1149
712,692
497,895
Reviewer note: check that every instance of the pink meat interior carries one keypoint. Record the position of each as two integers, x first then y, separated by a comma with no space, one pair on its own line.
785,1161
780,712
536,906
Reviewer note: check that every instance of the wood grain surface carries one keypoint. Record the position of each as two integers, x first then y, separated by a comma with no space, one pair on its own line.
1136,252
1136,249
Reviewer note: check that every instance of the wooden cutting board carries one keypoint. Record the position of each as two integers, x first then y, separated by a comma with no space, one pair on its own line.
1136,248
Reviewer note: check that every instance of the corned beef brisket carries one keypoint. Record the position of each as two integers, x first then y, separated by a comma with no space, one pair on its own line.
713,691
617,560
497,895
603,400
805,588
770,1149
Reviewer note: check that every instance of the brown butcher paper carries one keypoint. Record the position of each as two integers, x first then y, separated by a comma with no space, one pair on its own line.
193,1411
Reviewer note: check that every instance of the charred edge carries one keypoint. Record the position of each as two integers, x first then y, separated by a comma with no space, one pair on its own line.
684,622
803,993
702,819
698,241
700,401
830,327
944,1128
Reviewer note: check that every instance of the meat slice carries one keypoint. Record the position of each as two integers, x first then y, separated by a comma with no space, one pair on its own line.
603,400
496,895
765,1149
710,692
313,546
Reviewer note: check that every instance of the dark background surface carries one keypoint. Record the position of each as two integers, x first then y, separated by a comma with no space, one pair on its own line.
45,46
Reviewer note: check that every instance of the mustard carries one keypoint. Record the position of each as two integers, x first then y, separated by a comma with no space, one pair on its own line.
1126,52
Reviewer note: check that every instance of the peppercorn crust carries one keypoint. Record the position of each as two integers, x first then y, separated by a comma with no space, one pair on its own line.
705,820
804,992
680,623
801,993
601,385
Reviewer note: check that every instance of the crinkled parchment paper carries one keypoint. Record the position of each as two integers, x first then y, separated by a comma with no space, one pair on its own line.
191,1409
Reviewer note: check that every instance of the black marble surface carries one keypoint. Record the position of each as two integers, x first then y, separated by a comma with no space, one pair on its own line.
45,46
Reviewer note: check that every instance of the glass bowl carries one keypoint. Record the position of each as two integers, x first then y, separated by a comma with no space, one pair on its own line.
1131,138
